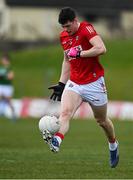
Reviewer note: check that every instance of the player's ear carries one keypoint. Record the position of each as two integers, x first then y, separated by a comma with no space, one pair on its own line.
75,19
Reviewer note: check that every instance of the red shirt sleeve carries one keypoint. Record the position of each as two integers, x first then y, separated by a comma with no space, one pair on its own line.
89,31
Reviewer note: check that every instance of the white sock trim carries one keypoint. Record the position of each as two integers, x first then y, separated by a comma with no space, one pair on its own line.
113,146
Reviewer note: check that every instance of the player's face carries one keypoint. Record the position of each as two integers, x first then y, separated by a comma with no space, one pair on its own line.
5,62
71,27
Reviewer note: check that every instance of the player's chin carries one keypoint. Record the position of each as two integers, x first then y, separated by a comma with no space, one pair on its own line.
70,33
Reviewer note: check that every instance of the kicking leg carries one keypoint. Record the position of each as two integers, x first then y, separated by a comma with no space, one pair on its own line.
69,104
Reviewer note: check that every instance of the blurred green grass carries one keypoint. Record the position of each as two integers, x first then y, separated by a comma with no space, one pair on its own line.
83,155
84,152
36,69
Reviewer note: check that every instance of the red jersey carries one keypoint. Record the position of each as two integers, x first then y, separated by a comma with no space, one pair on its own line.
82,70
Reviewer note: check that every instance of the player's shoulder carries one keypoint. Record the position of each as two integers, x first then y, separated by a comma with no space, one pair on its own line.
87,28
84,24
63,34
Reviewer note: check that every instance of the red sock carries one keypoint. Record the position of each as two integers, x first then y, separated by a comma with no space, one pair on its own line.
112,140
60,135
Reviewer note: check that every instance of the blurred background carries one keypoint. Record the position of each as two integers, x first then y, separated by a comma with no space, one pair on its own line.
29,33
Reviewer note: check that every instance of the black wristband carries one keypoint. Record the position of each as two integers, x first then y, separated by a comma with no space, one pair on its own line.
62,84
78,54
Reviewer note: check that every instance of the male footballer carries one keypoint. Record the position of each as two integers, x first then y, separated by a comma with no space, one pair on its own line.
82,79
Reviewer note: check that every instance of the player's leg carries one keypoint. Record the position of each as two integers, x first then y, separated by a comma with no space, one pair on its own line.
95,93
69,104
9,102
2,103
2,106
100,114
7,95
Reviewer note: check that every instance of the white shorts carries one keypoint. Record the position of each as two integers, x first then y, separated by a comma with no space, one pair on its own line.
94,93
6,90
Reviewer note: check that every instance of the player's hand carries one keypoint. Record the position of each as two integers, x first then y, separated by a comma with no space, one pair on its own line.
73,52
57,91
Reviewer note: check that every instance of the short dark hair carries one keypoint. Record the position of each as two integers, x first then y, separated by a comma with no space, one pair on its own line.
66,14
6,56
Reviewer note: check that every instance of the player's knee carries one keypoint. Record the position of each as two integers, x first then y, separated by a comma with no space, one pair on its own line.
101,121
66,113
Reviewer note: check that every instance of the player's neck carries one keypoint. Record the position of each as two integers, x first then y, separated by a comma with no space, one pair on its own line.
78,24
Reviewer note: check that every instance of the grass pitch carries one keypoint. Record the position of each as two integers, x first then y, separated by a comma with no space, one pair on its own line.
83,154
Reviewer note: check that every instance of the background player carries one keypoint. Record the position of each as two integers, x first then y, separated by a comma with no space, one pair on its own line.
6,87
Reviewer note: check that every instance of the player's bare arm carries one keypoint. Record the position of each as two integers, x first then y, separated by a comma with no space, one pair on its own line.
10,75
65,70
59,88
98,48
